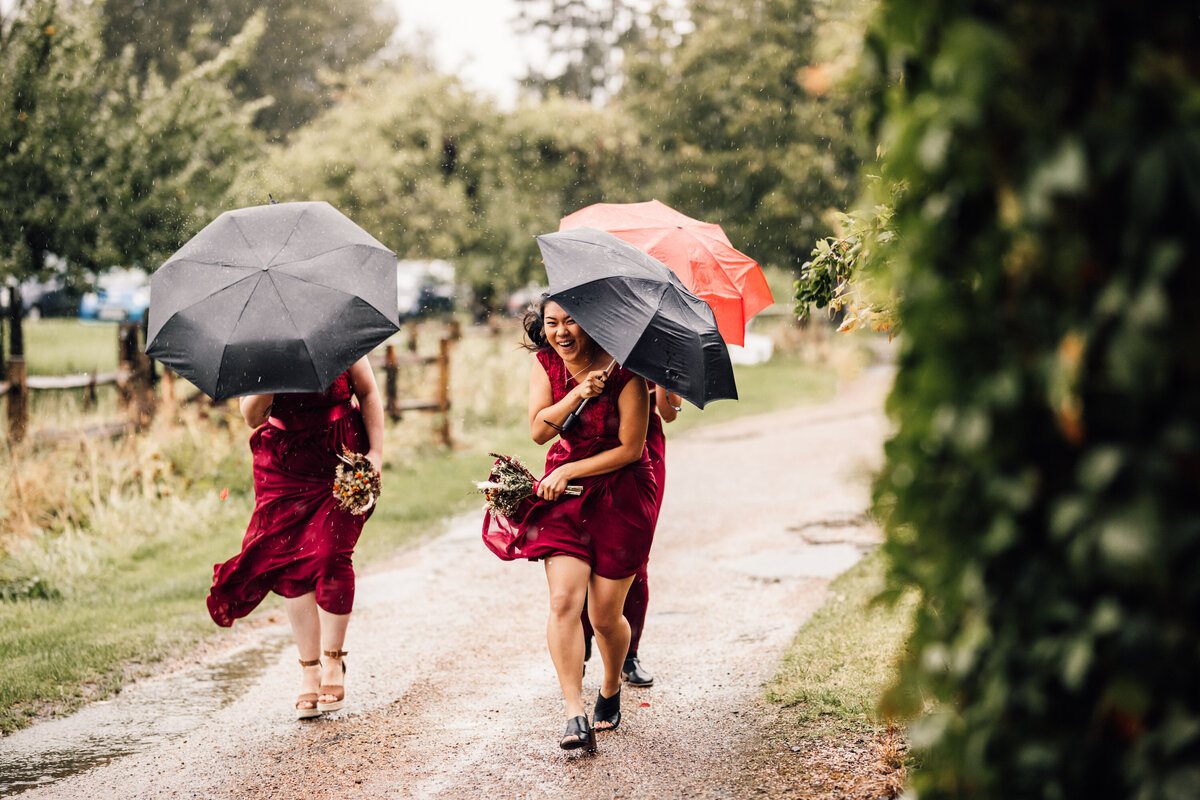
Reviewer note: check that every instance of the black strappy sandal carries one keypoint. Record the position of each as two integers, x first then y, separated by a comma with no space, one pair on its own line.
608,709
585,735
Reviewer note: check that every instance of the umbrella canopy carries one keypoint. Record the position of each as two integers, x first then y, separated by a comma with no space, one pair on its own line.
639,312
699,252
276,298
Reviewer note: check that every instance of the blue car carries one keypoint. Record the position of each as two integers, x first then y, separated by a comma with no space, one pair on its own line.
122,295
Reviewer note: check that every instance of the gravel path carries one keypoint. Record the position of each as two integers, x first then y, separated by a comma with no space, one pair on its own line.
451,691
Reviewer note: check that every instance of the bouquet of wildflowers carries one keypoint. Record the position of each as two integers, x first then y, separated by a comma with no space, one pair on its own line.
509,483
355,483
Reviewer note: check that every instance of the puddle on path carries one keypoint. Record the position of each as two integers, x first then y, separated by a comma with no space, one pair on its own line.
141,716
807,561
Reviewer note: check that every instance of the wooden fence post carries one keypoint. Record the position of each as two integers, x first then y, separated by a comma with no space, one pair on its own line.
89,393
412,337
443,392
18,399
168,385
391,383
127,349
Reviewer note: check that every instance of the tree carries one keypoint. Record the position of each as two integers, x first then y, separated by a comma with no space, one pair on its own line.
305,46
1040,487
755,136
588,41
434,171
96,166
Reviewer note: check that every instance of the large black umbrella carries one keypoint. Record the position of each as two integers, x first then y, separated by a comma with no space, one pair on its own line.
276,298
639,312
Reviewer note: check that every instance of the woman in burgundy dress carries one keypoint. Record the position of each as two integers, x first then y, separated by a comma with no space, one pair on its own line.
299,542
592,544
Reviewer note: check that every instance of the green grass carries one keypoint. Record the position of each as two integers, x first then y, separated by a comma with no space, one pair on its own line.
845,656
126,532
69,346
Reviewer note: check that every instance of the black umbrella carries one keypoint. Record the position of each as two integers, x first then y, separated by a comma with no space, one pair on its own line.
639,312
276,298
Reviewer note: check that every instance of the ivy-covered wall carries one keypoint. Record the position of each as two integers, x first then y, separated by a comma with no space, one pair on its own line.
1042,489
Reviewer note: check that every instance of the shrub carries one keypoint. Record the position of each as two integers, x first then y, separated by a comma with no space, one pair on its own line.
1040,489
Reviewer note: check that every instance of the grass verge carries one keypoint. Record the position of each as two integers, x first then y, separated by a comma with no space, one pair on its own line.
824,737
109,577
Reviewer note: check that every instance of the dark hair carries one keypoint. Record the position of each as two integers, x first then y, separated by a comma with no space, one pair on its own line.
535,327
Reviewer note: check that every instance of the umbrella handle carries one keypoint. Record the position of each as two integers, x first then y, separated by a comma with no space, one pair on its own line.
573,418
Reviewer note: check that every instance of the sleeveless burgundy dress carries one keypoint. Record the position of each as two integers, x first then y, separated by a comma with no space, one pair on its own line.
298,540
611,524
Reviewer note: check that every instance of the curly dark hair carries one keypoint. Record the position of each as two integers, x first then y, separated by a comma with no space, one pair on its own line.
535,329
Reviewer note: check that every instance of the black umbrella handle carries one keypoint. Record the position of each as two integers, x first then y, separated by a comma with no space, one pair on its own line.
573,418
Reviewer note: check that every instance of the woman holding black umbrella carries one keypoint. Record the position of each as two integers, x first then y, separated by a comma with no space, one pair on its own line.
300,543
591,544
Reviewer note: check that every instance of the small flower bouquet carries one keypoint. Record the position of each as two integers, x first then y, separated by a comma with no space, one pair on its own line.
509,483
355,483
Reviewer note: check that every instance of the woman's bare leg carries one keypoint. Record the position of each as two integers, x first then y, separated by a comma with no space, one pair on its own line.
333,637
606,598
567,580
306,630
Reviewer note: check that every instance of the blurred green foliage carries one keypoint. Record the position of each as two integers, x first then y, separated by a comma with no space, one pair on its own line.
1040,489
305,49
137,124
435,171
746,113
97,165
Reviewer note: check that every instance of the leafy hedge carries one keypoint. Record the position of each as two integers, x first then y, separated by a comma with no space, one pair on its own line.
1043,486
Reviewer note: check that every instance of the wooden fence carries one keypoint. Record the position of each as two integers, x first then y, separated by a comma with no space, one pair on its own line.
138,384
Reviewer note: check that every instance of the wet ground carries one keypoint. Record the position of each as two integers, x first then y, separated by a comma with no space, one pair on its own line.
451,692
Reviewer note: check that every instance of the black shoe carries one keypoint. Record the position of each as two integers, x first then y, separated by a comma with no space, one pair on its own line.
608,709
584,735
635,674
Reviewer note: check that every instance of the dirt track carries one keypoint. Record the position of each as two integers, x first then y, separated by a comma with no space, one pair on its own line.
451,691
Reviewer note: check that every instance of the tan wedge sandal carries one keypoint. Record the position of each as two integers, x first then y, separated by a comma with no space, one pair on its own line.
309,697
337,691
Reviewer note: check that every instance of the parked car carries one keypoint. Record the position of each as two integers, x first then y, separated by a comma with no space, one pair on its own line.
52,298
424,287
121,295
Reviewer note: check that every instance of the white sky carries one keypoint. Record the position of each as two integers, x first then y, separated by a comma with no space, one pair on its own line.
473,39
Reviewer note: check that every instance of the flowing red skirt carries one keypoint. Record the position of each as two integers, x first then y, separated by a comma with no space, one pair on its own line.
610,525
298,540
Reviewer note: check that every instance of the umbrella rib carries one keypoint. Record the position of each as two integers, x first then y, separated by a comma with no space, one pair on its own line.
249,246
199,300
321,255
291,233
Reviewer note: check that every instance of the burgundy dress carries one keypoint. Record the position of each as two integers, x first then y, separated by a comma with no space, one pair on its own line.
611,524
298,539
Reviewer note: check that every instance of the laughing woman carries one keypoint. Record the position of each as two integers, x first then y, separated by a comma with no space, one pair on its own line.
593,544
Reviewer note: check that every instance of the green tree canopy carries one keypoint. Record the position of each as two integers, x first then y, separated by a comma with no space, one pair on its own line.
434,171
305,46
749,146
589,40
98,166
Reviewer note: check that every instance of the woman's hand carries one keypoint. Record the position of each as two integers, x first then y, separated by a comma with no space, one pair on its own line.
593,384
376,459
554,484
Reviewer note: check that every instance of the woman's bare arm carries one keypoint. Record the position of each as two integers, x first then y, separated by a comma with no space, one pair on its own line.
256,408
667,404
362,378
545,414
633,407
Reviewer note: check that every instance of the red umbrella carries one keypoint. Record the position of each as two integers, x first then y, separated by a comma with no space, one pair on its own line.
698,252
